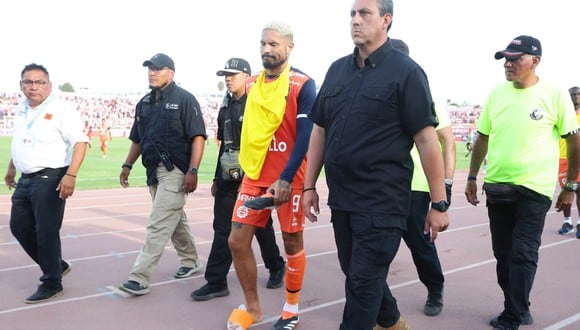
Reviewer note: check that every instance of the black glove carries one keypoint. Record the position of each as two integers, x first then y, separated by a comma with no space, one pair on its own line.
448,187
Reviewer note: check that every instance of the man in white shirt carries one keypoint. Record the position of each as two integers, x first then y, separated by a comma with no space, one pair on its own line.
48,148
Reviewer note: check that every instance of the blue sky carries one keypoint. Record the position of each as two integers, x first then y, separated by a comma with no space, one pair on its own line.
101,45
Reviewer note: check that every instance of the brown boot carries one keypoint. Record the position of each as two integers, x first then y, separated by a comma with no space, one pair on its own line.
400,325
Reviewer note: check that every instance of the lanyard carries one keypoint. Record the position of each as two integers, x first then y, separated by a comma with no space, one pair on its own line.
38,112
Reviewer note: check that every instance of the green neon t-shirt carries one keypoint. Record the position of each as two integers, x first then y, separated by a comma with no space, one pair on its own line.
524,128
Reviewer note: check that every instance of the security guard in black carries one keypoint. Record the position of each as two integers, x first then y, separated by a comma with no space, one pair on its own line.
166,121
230,119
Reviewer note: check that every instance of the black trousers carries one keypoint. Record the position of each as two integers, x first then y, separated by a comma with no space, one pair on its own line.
220,257
366,247
36,219
422,249
516,232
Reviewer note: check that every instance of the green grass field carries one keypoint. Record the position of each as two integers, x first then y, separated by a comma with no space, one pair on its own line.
102,173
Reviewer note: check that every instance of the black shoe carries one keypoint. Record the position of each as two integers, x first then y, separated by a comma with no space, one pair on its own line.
286,324
184,272
500,326
526,319
65,268
208,292
434,304
276,277
260,203
134,288
44,293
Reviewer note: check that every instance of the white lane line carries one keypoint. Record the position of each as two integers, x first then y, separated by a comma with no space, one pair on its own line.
114,291
55,302
138,229
118,291
559,325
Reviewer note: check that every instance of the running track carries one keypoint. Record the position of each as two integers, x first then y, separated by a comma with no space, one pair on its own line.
103,231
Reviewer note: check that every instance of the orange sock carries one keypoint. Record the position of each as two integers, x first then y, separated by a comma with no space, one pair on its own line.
294,278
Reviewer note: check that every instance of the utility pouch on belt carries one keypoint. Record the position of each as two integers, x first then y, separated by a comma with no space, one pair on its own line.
231,169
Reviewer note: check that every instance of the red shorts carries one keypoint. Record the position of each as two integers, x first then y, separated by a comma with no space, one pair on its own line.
290,214
563,172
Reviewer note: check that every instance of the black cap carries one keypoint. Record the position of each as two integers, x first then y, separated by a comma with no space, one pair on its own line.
235,65
160,61
519,46
400,45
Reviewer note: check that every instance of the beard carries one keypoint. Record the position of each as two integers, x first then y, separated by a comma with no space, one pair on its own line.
272,64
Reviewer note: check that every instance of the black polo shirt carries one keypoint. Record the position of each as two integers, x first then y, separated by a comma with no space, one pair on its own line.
230,118
370,116
166,121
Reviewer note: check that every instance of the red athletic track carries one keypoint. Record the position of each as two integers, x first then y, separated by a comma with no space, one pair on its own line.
103,231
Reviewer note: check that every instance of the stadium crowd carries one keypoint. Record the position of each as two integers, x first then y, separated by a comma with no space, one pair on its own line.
118,111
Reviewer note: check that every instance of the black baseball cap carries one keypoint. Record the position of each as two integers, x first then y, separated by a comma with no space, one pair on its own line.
235,65
160,61
519,46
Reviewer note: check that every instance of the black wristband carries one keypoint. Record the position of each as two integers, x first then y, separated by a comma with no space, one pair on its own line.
471,178
127,165
307,189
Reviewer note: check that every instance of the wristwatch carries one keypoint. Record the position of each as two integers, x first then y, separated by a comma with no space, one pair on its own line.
449,182
571,186
440,206
193,170
127,165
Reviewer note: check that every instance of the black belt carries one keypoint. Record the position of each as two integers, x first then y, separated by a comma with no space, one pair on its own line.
41,172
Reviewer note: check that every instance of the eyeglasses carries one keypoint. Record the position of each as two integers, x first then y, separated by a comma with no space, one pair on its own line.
29,83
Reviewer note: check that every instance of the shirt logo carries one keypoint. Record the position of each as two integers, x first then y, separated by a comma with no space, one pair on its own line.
242,212
277,146
537,114
172,106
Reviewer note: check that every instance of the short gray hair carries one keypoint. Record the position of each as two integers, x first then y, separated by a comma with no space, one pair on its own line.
385,6
284,29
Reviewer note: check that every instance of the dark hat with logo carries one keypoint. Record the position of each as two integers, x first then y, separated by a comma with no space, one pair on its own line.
235,65
519,46
160,61
400,45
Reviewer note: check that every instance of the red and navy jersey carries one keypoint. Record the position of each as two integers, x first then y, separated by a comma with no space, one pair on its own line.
286,155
